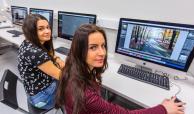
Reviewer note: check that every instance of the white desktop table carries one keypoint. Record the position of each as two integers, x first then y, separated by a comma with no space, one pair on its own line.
7,36
143,94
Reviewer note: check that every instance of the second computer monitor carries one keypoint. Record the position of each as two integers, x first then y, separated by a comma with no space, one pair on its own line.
68,22
163,43
18,14
48,14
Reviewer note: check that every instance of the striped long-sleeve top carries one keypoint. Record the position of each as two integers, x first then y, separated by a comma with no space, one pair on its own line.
95,104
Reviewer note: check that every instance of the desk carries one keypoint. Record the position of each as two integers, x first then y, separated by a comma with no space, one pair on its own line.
7,36
143,94
138,92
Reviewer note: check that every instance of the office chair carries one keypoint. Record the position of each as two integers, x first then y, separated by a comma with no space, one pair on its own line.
8,95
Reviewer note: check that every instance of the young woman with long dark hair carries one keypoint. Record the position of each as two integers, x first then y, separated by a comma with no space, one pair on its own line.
38,66
79,86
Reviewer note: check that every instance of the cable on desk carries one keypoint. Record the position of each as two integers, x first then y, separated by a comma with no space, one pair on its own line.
190,73
175,77
179,88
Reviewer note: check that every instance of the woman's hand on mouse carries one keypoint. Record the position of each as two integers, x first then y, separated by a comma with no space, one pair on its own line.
172,107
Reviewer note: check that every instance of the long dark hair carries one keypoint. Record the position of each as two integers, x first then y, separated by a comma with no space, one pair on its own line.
76,75
30,32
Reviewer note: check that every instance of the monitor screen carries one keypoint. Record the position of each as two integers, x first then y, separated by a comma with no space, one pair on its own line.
18,14
163,43
48,14
68,22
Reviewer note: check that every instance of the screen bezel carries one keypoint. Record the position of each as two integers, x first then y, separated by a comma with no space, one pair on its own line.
18,8
73,13
51,23
190,58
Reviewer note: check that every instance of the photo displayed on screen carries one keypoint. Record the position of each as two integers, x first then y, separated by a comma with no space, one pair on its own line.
169,45
68,22
48,14
18,14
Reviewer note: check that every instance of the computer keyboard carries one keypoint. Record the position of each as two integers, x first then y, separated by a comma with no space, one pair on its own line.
15,32
144,76
62,50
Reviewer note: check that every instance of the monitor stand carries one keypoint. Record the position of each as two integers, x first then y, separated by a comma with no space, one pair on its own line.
190,70
143,68
133,63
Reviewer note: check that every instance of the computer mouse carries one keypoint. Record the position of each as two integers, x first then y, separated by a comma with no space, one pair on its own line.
177,100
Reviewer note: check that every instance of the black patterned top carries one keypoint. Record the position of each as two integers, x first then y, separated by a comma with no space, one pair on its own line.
29,58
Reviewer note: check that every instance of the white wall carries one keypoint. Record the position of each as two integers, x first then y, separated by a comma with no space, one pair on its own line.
109,11
160,10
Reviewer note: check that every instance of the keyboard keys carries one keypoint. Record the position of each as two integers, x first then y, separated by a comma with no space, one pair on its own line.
145,76
62,50
15,32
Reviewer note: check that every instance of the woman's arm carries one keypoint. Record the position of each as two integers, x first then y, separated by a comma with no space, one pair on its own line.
49,68
96,104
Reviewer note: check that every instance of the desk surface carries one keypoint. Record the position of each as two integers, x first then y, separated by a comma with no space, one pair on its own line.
138,92
144,94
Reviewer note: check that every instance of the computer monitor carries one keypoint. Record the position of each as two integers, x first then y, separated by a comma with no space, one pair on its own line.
162,43
18,14
48,14
68,22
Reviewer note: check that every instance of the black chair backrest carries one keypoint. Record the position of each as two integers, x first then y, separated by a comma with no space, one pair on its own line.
8,94
8,86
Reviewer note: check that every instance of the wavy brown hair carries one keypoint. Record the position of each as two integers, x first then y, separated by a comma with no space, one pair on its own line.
76,75
30,32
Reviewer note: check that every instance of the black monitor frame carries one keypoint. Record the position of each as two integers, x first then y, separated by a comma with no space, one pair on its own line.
190,57
12,15
69,37
50,21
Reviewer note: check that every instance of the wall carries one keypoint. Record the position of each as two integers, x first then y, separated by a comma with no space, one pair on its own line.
160,10
179,11
109,11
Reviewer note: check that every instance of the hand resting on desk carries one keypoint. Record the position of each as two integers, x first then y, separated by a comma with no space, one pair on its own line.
173,107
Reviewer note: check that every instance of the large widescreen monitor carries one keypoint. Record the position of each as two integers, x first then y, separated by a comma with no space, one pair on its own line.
48,14
167,44
68,22
18,14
